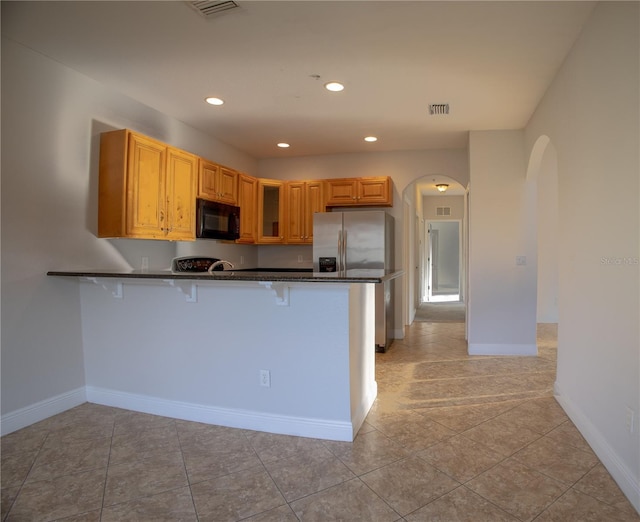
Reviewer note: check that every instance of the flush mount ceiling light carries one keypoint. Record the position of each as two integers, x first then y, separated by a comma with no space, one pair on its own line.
442,187
212,100
283,145
334,86
371,139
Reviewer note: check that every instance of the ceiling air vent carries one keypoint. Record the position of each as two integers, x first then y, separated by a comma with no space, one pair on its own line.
209,8
443,211
439,108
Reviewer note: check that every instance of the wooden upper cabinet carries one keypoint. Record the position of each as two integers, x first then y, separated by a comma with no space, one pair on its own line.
348,192
180,190
146,188
303,199
248,203
217,183
271,211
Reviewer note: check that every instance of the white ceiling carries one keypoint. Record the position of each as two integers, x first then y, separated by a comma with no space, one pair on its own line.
491,61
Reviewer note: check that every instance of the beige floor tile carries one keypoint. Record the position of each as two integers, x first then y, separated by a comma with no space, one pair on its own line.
141,478
567,433
169,506
367,452
540,414
557,460
209,460
599,484
25,441
279,514
140,445
271,446
89,516
73,457
352,501
460,505
578,507
502,435
59,498
303,475
15,468
462,418
411,430
461,458
236,496
130,422
8,497
409,484
517,489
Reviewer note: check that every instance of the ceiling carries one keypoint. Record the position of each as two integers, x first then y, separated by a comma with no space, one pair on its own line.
490,61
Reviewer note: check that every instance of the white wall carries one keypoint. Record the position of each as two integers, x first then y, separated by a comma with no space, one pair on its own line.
51,121
502,295
590,114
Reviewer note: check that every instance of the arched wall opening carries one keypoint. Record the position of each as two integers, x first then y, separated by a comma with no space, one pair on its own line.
422,204
542,180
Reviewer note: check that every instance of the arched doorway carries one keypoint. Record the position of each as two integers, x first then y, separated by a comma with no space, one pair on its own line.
425,208
542,181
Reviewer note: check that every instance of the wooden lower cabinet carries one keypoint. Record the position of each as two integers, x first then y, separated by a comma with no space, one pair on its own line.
147,190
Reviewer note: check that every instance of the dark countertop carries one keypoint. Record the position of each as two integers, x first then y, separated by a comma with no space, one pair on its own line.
305,276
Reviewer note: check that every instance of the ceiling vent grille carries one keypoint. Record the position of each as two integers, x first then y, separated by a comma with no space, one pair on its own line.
209,8
439,108
443,211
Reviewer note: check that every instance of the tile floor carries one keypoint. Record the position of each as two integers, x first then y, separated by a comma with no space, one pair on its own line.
450,438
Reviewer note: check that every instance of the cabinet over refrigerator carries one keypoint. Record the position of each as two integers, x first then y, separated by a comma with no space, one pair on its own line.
358,240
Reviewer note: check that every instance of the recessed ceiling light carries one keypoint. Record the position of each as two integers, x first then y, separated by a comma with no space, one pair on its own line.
334,86
283,145
371,139
214,101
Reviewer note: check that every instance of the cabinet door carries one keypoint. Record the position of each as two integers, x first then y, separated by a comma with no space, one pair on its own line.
228,186
341,192
247,200
296,212
182,169
208,180
145,193
374,191
270,211
314,202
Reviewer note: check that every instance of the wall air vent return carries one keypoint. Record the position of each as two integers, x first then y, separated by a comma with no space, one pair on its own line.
209,8
443,211
439,108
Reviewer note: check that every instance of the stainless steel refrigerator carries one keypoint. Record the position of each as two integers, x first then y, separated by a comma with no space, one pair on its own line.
361,239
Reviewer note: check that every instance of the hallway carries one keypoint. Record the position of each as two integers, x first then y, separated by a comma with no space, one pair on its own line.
450,438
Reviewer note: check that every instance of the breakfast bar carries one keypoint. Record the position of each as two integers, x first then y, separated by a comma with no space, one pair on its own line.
281,352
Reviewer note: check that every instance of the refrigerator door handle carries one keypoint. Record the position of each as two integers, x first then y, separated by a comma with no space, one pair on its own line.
339,260
344,251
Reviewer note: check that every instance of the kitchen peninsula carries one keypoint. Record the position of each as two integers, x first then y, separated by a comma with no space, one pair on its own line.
282,352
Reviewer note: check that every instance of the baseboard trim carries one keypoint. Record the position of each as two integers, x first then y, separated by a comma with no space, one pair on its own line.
503,349
24,417
609,458
251,420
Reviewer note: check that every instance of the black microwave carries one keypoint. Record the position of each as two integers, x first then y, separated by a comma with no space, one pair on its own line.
217,220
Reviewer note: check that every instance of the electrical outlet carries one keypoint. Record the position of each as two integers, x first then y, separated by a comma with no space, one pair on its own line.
629,417
265,378
144,264
242,260
299,259
521,260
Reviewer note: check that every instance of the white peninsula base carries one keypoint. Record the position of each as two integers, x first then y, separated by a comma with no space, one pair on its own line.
290,358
